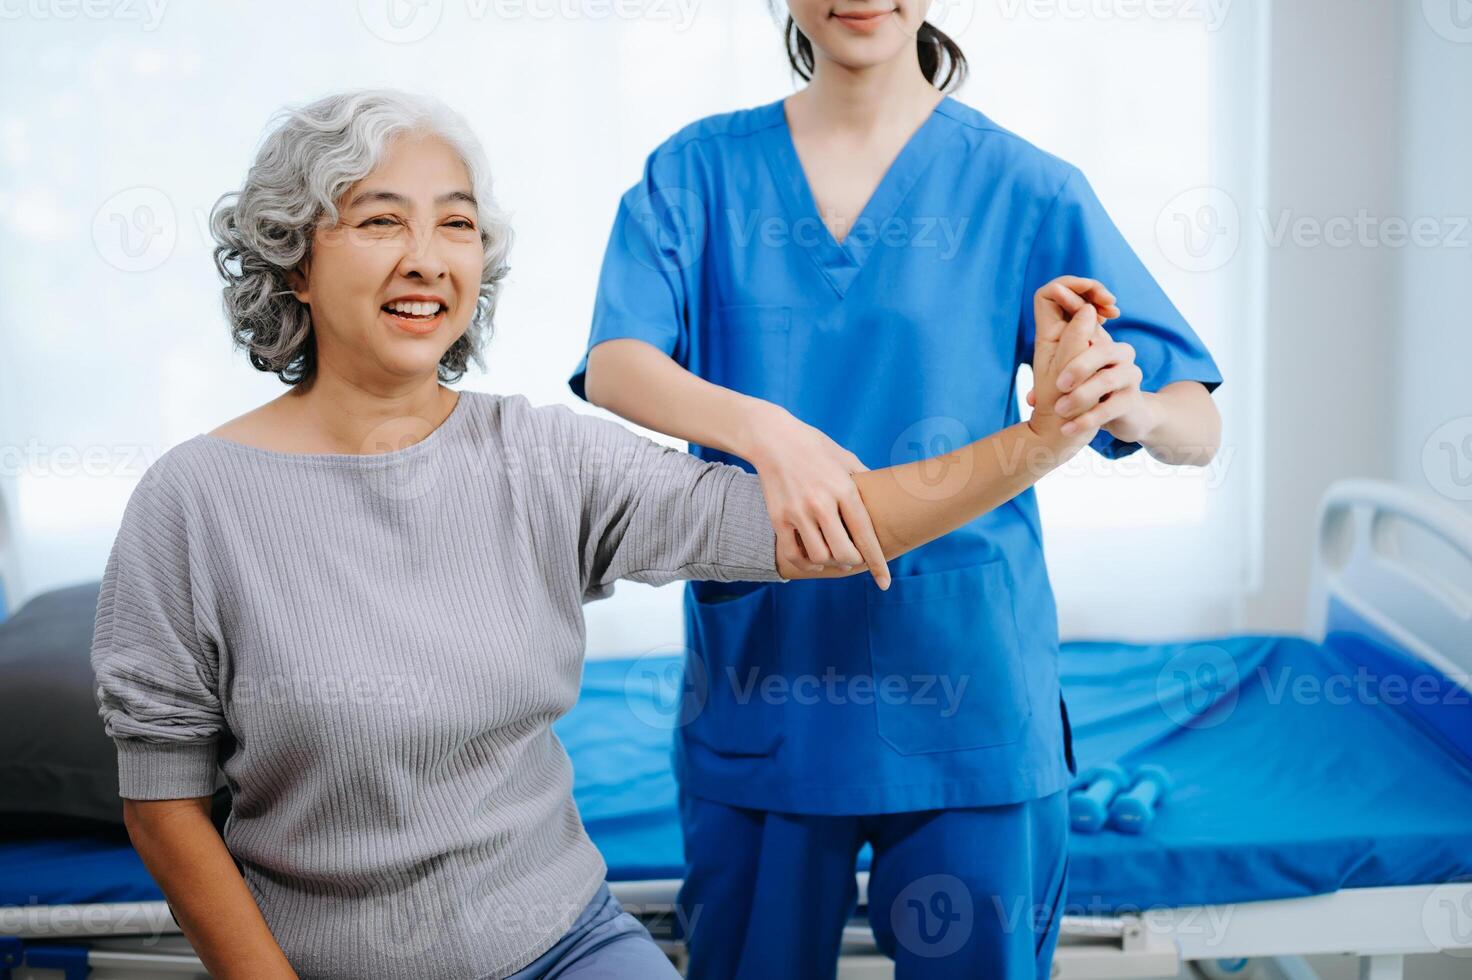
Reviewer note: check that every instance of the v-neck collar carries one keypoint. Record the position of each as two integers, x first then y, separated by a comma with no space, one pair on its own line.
841,263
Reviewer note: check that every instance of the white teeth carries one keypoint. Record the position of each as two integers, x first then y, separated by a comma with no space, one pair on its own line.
414,309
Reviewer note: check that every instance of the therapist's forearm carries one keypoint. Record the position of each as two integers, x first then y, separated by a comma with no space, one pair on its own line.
643,384
188,859
1187,429
918,502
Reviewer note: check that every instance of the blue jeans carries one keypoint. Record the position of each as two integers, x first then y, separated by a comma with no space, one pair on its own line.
605,941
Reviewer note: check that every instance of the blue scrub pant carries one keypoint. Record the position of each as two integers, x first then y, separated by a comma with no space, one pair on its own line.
604,942
967,892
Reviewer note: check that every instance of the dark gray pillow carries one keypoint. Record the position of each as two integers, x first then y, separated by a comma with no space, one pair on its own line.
58,769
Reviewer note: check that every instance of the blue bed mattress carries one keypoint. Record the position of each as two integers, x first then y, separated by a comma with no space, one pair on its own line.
1299,768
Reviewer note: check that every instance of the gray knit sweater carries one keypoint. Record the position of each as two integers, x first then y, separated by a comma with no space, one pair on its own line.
372,649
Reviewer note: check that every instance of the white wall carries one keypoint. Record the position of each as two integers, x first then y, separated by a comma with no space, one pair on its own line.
1431,413
1328,367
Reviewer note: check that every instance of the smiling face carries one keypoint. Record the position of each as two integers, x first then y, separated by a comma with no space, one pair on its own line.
859,33
395,282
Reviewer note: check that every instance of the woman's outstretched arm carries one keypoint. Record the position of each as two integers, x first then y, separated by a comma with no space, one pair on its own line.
918,502
807,480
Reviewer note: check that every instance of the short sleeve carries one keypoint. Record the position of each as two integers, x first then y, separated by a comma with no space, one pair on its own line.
654,514
154,661
1076,237
658,234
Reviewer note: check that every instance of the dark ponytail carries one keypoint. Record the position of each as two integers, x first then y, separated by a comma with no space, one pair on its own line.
941,60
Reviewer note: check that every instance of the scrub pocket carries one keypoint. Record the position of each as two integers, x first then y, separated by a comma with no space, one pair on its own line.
947,661
747,351
732,641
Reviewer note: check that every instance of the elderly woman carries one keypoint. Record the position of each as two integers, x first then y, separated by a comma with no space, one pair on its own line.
362,601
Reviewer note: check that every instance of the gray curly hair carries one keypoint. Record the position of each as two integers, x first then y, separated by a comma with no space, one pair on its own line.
264,230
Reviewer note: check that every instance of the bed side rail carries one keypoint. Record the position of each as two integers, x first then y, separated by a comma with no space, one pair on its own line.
1398,563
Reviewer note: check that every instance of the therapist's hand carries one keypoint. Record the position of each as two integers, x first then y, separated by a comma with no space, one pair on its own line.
814,506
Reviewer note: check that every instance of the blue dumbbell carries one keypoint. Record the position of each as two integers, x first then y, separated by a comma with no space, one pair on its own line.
1088,806
1134,810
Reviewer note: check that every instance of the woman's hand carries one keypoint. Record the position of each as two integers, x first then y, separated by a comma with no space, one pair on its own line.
815,508
1067,312
1101,390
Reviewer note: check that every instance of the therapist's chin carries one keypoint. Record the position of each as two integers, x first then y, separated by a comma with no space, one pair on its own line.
856,51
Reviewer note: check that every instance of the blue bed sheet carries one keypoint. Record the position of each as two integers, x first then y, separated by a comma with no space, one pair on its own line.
1299,768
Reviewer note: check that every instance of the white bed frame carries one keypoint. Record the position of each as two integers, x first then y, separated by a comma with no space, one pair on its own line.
1360,566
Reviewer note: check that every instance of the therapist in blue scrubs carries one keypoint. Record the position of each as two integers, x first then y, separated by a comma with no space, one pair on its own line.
840,280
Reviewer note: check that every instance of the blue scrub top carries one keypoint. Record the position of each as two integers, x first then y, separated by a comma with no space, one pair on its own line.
903,342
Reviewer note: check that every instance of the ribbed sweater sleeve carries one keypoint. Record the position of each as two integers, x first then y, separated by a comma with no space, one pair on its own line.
154,660
654,514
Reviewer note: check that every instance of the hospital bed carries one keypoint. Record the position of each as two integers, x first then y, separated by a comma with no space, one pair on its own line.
1322,798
